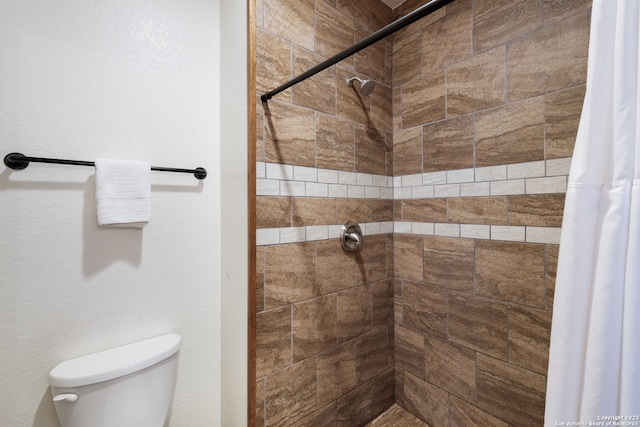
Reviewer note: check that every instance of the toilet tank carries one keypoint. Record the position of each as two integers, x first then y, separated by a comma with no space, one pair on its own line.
127,386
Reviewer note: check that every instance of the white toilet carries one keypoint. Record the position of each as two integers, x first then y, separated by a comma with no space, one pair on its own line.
128,386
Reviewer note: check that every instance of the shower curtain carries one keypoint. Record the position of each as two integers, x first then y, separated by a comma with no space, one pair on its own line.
594,361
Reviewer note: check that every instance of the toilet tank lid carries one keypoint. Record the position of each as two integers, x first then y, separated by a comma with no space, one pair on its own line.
113,363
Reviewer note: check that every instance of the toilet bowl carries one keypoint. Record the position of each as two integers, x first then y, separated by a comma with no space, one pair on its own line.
128,386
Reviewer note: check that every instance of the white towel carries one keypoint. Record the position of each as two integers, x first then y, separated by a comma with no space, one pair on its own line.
123,192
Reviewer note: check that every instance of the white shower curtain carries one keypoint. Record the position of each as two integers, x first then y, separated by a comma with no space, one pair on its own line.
594,362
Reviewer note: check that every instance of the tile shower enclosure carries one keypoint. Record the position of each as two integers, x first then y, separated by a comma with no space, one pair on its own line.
456,168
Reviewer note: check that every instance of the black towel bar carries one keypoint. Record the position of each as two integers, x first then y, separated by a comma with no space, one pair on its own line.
20,161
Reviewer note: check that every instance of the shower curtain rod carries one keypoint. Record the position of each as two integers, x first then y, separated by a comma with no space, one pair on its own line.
396,25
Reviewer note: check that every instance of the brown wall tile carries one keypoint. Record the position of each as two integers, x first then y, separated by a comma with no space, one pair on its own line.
551,264
562,117
399,386
409,350
371,354
426,401
260,403
424,210
529,334
290,273
335,267
293,21
397,210
273,212
423,100
273,63
409,255
381,15
382,294
389,153
496,22
318,92
312,211
291,393
448,144
552,58
450,367
315,326
381,111
371,263
510,134
334,31
370,150
289,134
382,210
390,257
335,146
396,416
359,10
259,279
407,151
478,210
463,414
555,10
397,108
336,372
273,340
358,210
325,417
476,83
355,312
397,301
366,401
259,13
425,308
449,262
407,58
478,323
259,131
512,272
447,40
540,210
510,393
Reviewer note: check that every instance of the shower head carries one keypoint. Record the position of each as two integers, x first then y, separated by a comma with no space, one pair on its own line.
366,86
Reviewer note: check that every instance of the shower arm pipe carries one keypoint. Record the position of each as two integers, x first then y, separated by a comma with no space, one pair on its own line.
396,25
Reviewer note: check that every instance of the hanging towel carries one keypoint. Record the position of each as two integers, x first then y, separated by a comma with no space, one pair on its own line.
123,192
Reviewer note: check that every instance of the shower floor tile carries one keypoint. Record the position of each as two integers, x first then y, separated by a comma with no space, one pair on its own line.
395,416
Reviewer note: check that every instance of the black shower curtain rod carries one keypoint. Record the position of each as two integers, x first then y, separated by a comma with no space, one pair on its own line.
396,25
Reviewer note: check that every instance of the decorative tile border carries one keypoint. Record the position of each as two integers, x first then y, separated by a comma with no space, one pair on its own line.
299,181
540,177
276,236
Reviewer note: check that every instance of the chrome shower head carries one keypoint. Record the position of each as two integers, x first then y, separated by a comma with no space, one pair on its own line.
366,86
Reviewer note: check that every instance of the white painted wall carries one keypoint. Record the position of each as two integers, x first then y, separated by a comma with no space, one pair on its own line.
131,79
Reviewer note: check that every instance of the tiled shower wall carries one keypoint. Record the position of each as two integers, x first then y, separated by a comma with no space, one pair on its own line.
324,316
487,98
455,167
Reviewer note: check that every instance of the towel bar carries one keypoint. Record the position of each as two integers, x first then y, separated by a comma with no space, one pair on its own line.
20,161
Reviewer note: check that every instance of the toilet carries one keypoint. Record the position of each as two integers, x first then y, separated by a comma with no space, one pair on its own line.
128,386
